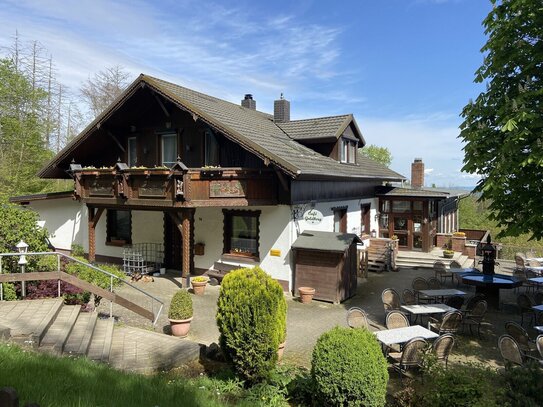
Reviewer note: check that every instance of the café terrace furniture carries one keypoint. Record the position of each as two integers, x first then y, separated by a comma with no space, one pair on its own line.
490,285
538,295
398,336
442,347
426,309
396,319
391,300
450,323
539,344
470,303
409,297
458,273
456,301
434,284
440,271
358,318
521,337
441,293
419,284
475,316
410,356
510,351
526,305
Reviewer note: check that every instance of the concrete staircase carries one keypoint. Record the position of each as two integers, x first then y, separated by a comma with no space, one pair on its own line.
49,326
426,260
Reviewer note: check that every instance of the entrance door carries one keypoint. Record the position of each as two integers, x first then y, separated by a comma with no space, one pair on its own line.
173,244
365,224
402,229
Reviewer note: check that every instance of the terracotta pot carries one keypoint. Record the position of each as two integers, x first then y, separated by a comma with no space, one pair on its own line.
198,287
180,327
306,294
280,351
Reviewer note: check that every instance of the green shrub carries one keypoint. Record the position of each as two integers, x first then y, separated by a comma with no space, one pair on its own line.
9,292
524,385
181,306
47,263
467,384
78,250
251,318
20,224
348,368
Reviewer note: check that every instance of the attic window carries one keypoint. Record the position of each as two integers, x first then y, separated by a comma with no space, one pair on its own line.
347,151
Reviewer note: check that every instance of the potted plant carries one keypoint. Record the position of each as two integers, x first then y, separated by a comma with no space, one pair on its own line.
306,294
448,254
180,313
199,285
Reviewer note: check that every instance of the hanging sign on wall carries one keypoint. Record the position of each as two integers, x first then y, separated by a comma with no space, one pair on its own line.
313,217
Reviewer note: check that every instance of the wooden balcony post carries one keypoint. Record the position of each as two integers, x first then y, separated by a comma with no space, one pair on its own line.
93,218
187,225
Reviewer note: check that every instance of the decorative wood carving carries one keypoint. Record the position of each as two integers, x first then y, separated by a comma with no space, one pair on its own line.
227,188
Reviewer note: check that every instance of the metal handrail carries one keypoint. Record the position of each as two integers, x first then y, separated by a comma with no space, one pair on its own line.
112,276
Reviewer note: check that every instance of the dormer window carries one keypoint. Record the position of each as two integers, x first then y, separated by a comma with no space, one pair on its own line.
347,153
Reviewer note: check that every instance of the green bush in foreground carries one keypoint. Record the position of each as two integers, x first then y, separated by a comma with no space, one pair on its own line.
181,306
251,318
348,368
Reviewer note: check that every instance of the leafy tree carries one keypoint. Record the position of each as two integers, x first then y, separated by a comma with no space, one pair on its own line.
503,127
380,154
99,91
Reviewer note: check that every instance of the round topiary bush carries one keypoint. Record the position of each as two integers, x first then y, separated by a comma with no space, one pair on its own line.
181,306
349,369
252,321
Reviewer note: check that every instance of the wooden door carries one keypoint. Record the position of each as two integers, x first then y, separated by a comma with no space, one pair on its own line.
365,221
173,244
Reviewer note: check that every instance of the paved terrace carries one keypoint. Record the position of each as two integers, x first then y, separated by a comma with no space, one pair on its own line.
306,322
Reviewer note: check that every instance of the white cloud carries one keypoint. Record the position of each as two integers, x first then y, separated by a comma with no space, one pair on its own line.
428,171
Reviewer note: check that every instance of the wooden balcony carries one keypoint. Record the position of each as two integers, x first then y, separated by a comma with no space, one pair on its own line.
157,187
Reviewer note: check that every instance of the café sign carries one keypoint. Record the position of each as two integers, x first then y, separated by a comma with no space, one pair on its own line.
313,217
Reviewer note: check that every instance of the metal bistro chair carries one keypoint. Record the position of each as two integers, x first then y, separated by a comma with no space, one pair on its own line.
472,301
440,271
420,284
475,317
434,284
410,356
510,351
391,300
358,318
525,304
455,301
517,332
539,344
449,324
396,319
454,265
538,297
409,297
442,347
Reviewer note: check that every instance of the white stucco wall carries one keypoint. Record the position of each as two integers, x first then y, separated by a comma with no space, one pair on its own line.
63,219
275,233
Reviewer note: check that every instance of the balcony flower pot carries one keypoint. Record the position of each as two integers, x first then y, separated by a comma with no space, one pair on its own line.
180,313
306,294
448,254
199,285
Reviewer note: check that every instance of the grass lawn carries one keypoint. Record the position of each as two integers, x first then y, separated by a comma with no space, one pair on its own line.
59,382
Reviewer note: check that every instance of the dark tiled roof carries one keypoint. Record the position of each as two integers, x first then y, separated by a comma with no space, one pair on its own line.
252,129
319,128
411,192
41,197
325,241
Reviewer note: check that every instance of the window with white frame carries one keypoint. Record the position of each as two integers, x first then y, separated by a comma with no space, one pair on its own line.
347,151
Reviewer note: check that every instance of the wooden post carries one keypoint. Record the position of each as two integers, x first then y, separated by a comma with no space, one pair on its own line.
93,218
187,224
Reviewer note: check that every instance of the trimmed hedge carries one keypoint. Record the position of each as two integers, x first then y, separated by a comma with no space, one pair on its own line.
348,368
181,306
251,318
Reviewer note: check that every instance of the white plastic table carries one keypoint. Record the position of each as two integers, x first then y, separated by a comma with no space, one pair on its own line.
425,309
401,335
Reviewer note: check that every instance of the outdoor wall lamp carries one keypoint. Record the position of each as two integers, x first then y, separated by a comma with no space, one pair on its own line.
377,215
373,233
22,248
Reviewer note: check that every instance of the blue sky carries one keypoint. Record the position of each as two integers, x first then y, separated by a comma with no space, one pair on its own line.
405,68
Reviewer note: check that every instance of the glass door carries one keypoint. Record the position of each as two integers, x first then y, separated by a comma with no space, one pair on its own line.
417,232
401,230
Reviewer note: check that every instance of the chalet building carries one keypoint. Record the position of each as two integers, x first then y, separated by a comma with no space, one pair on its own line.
415,214
217,183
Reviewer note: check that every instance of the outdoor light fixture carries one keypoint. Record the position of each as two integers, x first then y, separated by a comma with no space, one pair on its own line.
373,233
377,215
22,248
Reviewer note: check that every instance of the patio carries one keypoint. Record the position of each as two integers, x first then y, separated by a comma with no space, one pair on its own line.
306,322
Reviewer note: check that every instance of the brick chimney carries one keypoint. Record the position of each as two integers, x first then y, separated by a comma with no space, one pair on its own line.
417,173
249,102
281,110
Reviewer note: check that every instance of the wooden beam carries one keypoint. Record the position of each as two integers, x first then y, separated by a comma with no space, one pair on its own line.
34,276
177,221
282,179
97,216
110,134
93,218
161,105
187,217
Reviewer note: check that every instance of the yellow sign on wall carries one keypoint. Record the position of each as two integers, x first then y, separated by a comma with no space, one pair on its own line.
275,252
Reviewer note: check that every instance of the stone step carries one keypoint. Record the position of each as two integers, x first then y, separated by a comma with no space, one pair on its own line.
100,345
29,320
56,336
79,340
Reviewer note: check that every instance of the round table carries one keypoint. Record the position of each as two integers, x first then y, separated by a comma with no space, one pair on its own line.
490,285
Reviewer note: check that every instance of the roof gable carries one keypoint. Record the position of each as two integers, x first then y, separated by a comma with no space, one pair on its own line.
253,130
